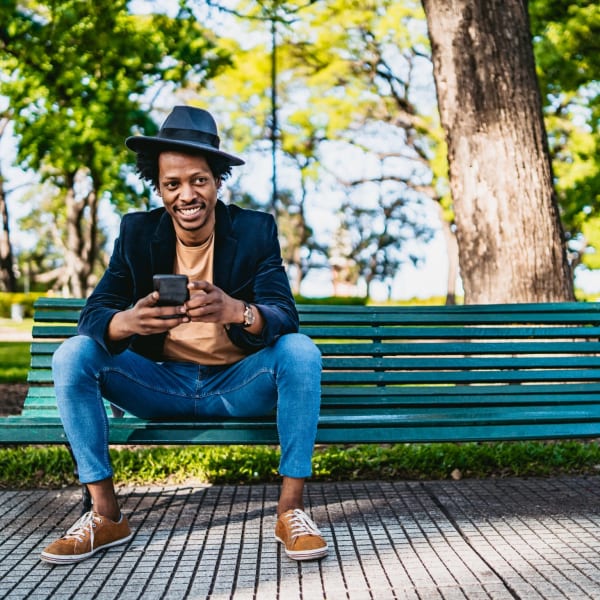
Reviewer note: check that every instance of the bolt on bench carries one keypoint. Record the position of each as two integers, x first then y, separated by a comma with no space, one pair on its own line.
390,374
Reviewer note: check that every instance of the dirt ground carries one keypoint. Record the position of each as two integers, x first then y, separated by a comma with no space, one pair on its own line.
12,396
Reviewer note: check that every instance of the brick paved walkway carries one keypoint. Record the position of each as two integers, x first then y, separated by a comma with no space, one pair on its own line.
501,539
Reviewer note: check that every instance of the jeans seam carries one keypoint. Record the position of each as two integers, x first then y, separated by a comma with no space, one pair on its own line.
221,392
143,384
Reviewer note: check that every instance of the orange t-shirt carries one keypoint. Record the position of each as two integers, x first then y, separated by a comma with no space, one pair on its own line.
201,343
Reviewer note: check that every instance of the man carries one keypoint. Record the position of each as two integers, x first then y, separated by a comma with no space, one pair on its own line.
231,349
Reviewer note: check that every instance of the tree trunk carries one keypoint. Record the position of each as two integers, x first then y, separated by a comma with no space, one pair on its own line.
81,249
511,242
452,254
8,280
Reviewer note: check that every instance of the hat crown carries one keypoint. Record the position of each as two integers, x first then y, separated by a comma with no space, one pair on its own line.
188,117
186,128
186,123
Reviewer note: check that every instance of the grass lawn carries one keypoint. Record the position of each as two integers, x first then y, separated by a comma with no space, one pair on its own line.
52,467
14,361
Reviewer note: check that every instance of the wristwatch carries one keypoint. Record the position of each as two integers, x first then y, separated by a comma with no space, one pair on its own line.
248,315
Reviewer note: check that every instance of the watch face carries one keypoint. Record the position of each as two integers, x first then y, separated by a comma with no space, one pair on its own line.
248,316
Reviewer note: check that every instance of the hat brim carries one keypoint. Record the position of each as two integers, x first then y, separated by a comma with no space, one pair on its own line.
143,143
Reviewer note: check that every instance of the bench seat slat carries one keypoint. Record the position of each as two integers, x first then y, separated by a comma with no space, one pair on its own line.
413,416
49,431
47,406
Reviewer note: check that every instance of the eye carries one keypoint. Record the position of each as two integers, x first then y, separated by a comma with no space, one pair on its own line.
200,180
170,185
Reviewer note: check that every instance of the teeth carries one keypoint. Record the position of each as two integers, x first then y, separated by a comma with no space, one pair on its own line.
189,211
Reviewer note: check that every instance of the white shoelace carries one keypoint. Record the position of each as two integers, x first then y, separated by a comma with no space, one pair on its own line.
83,526
301,524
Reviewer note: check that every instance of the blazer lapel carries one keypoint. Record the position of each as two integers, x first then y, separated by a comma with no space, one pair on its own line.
225,249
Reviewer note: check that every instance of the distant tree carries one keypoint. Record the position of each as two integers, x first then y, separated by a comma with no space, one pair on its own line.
346,86
381,236
511,243
293,230
80,77
566,38
8,280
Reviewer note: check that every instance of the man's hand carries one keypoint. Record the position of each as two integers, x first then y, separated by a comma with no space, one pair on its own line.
211,304
145,318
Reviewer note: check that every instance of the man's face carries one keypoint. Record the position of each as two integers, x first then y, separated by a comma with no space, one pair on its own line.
189,192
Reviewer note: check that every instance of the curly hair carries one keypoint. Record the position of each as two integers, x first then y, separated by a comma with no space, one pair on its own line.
147,163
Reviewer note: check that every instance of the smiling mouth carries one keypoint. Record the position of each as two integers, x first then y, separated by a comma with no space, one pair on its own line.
190,211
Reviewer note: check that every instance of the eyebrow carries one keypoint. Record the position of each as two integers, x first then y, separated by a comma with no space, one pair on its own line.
168,176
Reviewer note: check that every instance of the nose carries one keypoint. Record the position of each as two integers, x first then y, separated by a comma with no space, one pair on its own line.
186,192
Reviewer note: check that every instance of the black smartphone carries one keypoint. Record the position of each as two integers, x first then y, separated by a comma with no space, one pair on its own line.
172,289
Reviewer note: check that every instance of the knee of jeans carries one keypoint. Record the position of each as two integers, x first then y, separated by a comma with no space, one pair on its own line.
299,347
74,354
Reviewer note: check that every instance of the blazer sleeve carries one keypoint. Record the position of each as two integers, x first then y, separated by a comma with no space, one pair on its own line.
269,290
113,293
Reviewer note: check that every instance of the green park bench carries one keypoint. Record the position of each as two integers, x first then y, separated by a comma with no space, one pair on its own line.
390,374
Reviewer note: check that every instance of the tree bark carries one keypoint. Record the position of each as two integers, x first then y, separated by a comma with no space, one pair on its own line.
511,241
452,255
8,281
81,249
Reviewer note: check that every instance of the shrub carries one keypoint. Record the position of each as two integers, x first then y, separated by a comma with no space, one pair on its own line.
7,299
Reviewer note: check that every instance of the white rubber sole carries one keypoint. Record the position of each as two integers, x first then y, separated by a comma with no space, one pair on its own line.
62,559
304,554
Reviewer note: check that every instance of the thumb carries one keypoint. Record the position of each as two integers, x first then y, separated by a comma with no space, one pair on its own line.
149,300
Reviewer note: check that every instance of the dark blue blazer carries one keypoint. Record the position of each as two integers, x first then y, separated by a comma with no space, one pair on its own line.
247,266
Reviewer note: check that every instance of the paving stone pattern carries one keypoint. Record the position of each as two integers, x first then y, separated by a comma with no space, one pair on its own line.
473,539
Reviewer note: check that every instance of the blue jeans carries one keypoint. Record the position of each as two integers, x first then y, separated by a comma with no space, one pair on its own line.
286,375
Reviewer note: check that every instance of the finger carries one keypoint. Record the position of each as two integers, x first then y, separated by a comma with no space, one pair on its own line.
209,312
149,300
197,299
200,285
170,312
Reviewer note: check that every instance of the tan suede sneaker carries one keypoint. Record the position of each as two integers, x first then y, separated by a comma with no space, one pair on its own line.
92,532
300,536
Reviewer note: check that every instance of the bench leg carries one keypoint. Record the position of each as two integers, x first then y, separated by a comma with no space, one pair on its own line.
86,499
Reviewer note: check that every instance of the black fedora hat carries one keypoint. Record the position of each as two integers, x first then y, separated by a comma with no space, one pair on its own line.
186,127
